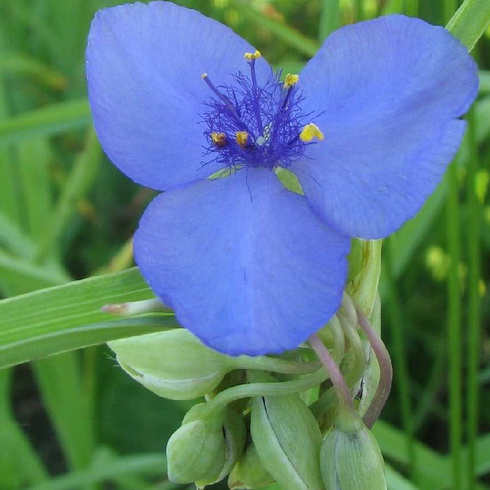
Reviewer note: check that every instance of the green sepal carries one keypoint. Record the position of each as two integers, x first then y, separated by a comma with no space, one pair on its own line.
288,440
173,364
249,471
350,457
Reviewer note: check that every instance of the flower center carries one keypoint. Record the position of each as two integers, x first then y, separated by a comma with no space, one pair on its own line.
257,126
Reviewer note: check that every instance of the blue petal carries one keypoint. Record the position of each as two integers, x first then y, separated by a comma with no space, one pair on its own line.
391,90
144,67
245,264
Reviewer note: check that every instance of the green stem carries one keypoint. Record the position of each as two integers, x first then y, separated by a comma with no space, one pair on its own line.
332,335
453,233
338,340
470,21
397,328
473,228
355,351
385,371
266,389
275,365
341,389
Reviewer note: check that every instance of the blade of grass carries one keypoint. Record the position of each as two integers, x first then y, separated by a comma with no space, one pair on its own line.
329,18
402,377
484,82
473,301
8,196
69,317
433,468
40,345
453,237
79,182
46,121
33,163
19,276
13,239
467,24
142,464
393,7
470,21
19,463
283,32
412,8
26,65
59,380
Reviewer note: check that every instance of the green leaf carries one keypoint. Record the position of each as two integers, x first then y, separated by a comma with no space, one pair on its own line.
46,121
470,21
329,17
287,34
26,65
141,464
68,317
19,276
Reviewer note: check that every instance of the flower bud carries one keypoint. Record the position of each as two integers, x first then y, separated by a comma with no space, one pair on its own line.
288,440
234,435
196,451
173,364
350,458
249,472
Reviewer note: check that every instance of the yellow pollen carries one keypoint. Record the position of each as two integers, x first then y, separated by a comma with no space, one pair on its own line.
290,80
310,132
219,139
252,56
242,138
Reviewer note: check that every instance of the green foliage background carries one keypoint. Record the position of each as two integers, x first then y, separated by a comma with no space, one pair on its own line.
75,420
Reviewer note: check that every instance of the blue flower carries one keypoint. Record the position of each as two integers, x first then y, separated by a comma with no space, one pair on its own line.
368,128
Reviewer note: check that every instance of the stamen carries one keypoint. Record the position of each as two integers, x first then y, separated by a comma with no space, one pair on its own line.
290,80
310,132
225,99
252,56
257,121
219,139
242,138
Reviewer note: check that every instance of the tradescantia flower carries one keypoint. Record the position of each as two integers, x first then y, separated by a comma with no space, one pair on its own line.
368,129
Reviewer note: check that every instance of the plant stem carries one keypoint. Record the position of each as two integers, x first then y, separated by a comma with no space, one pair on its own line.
338,382
385,371
474,334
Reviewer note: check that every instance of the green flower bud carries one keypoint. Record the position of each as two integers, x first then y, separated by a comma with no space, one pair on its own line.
249,472
288,441
173,364
197,450
235,436
350,457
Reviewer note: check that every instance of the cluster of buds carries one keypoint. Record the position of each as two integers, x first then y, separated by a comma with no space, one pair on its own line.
301,419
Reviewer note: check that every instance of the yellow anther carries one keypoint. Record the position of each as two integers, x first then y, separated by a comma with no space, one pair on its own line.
242,138
290,80
310,132
252,56
219,139
204,75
